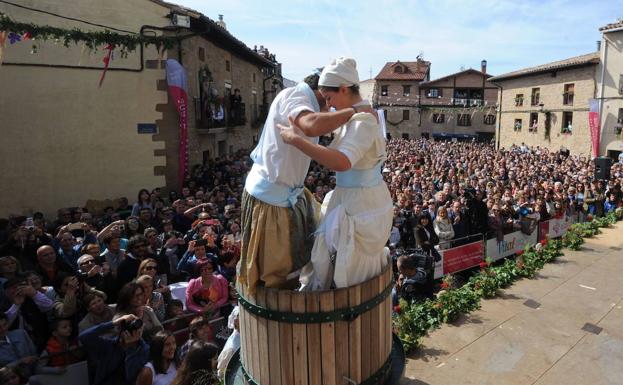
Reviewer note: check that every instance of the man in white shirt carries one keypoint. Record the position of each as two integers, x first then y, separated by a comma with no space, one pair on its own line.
278,213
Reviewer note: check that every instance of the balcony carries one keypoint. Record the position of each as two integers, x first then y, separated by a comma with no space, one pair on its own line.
216,118
468,102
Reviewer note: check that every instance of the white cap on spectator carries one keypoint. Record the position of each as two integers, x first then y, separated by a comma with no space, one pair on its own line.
232,317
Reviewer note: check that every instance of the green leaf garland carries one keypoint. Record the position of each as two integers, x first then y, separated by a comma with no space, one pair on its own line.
92,39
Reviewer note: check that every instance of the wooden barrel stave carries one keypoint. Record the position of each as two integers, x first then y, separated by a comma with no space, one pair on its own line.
279,352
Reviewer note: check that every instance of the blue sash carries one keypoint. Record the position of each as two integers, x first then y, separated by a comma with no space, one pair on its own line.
271,193
360,178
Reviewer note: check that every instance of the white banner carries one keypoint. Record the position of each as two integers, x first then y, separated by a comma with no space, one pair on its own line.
511,244
559,226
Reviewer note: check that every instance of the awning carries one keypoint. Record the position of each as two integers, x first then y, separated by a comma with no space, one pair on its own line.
451,135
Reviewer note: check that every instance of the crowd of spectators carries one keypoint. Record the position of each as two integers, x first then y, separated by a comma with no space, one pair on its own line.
142,291
138,289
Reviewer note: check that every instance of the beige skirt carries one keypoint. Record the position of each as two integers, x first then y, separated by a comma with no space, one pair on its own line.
276,241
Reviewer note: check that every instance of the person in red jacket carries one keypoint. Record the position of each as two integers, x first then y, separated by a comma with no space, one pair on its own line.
62,350
209,292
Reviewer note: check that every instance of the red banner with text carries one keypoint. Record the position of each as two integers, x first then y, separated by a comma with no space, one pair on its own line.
593,124
463,257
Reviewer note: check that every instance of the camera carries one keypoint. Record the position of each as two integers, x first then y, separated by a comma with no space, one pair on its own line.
30,224
81,275
414,288
132,326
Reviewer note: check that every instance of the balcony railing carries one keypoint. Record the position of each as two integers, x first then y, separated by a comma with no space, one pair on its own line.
468,102
209,115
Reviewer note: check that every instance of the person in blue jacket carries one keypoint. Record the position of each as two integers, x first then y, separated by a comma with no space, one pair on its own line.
117,358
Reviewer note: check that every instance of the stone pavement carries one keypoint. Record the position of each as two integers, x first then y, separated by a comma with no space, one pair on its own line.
563,327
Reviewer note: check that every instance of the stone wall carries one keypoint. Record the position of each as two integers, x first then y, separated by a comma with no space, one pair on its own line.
551,96
64,140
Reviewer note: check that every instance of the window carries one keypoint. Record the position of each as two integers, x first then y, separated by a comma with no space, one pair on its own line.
405,114
517,126
567,122
536,96
201,54
386,114
398,70
433,93
567,96
253,77
383,90
405,136
534,121
518,100
464,120
489,119
439,118
227,66
619,124
406,90
621,84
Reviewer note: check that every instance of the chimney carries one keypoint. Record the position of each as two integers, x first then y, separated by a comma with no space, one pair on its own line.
483,66
598,45
220,22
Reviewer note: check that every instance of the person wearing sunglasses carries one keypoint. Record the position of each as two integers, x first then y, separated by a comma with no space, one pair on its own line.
97,276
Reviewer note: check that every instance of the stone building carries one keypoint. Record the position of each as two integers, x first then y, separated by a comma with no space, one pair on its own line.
461,105
219,66
366,89
396,92
547,105
610,89
65,141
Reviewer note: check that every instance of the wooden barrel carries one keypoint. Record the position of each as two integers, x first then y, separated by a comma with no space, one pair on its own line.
333,337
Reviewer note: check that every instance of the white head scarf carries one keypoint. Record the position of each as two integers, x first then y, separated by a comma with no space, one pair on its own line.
340,72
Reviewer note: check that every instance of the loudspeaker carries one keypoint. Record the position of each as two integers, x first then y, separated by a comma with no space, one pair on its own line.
602,168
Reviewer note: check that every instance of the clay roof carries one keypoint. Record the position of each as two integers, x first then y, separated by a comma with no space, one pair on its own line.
411,70
577,61
431,82
219,34
608,27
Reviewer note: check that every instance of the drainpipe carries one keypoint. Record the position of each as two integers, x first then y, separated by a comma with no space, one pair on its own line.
499,122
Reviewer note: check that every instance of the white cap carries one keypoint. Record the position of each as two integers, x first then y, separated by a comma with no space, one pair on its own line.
340,72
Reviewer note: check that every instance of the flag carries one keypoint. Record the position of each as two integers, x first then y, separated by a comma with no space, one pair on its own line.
593,124
177,83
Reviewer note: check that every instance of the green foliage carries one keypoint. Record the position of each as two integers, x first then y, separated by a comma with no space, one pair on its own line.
92,39
413,321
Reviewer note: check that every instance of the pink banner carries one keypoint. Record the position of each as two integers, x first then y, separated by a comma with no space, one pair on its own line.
463,257
593,124
176,79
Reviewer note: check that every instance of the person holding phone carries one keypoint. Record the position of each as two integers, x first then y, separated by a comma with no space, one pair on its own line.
196,252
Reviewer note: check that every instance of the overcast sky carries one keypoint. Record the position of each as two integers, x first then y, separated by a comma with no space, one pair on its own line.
509,34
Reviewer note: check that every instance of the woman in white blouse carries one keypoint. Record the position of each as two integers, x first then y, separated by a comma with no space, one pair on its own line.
443,228
357,216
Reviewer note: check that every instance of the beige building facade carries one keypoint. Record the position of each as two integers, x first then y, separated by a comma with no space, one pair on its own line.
461,105
396,92
66,141
548,105
610,89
